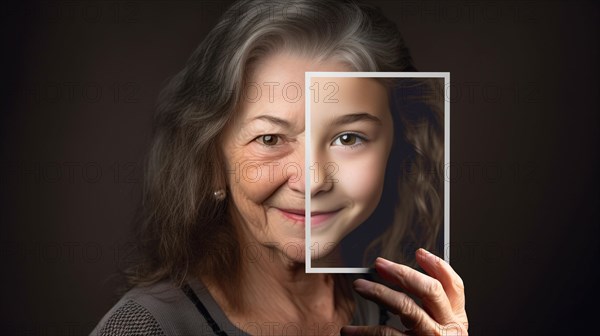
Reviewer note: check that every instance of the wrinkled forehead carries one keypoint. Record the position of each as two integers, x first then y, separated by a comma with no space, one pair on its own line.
275,84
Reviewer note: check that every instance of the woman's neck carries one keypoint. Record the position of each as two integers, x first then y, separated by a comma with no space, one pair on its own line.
284,282
277,291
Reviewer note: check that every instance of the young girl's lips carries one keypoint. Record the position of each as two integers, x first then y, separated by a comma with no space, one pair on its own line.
316,219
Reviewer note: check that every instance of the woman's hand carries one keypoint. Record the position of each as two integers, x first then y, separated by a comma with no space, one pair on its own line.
441,292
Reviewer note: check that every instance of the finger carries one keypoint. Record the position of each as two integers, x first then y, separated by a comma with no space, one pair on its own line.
450,280
370,331
411,314
428,289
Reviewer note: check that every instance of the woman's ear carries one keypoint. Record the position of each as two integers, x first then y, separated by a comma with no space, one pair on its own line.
218,189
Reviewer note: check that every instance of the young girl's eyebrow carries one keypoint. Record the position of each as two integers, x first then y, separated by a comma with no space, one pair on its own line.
354,117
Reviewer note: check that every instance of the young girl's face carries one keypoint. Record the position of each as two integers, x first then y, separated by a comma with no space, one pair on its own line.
351,138
264,148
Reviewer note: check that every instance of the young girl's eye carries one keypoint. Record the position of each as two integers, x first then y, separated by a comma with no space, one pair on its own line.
268,139
348,139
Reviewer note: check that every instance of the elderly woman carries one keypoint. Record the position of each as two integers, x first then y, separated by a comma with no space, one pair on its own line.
222,221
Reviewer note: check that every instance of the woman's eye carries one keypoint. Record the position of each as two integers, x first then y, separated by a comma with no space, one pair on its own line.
348,139
268,139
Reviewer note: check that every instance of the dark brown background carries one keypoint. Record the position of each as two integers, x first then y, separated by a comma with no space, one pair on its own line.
80,85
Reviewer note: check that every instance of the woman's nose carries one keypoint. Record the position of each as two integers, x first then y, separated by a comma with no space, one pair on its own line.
321,175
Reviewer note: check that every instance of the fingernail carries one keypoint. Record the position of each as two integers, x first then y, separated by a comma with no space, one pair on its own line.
382,262
382,259
425,251
349,330
361,285
428,256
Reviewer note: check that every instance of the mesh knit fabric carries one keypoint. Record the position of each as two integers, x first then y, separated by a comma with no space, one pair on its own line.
131,319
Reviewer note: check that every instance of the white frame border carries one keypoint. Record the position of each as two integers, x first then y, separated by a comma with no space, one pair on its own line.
311,74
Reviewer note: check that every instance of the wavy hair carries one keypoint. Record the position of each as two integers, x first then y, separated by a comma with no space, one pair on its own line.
180,227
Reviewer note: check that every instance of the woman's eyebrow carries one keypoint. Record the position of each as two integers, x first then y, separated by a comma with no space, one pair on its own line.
354,117
273,120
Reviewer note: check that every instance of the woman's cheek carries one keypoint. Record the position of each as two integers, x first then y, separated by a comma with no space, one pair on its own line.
258,180
361,179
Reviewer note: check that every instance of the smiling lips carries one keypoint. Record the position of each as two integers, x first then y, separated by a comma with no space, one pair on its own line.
316,217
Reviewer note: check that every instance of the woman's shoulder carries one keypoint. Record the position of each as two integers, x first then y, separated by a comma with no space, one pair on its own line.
158,309
128,317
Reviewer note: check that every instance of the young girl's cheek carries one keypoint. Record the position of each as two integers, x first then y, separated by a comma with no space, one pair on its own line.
361,177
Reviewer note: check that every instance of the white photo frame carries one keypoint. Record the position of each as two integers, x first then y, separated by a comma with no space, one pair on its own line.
308,77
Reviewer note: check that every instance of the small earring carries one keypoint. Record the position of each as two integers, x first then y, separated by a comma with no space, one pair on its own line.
220,194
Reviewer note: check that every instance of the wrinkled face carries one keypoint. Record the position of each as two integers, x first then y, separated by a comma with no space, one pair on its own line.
264,150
